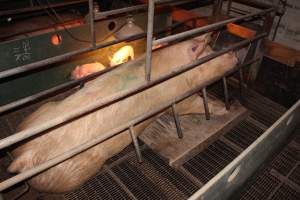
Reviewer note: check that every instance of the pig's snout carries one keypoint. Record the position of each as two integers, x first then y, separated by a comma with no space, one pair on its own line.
85,70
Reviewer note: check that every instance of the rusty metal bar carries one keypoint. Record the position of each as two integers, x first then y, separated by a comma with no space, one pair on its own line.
177,121
149,39
136,144
97,105
61,158
205,104
92,23
226,95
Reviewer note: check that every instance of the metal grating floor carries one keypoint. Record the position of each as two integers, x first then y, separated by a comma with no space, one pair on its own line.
122,177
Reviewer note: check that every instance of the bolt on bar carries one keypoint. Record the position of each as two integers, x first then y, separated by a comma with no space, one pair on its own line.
177,121
92,23
87,145
208,28
17,137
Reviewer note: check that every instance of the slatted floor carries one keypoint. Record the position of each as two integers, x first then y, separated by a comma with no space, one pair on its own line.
123,177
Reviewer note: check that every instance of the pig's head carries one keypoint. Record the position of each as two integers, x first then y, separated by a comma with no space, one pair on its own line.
197,46
86,69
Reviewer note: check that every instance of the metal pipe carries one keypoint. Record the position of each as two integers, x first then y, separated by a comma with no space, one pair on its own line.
149,40
61,158
36,8
236,173
136,144
102,15
92,23
229,4
208,28
226,96
177,121
70,84
205,104
17,137
241,74
48,61
39,64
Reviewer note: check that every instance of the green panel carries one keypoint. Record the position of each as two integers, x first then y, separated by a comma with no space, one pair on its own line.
24,51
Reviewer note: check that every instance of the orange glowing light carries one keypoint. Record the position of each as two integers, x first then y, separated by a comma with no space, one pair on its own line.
123,55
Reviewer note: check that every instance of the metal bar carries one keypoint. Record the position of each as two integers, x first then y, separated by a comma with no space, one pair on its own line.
92,23
208,28
39,64
241,74
205,104
48,61
61,158
70,84
229,4
177,122
36,8
241,168
226,96
17,137
136,144
149,40
102,15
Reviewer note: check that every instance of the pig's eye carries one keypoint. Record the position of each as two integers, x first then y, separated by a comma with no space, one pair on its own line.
194,48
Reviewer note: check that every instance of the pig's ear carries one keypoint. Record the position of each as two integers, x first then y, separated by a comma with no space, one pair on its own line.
18,165
205,37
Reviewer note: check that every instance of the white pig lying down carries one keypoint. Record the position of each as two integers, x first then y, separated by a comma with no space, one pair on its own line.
75,171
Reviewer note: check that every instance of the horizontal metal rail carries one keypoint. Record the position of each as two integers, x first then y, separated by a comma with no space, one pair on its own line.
128,126
101,15
97,105
209,27
52,60
37,8
74,83
227,181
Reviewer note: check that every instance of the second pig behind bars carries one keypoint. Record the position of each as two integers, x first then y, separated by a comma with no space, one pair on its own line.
72,173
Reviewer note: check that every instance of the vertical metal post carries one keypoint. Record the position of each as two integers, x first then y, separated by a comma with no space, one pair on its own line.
267,26
229,4
205,104
241,74
151,7
216,40
217,8
136,144
92,24
227,105
177,122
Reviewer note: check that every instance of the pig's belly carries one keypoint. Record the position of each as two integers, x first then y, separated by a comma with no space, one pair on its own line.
73,172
